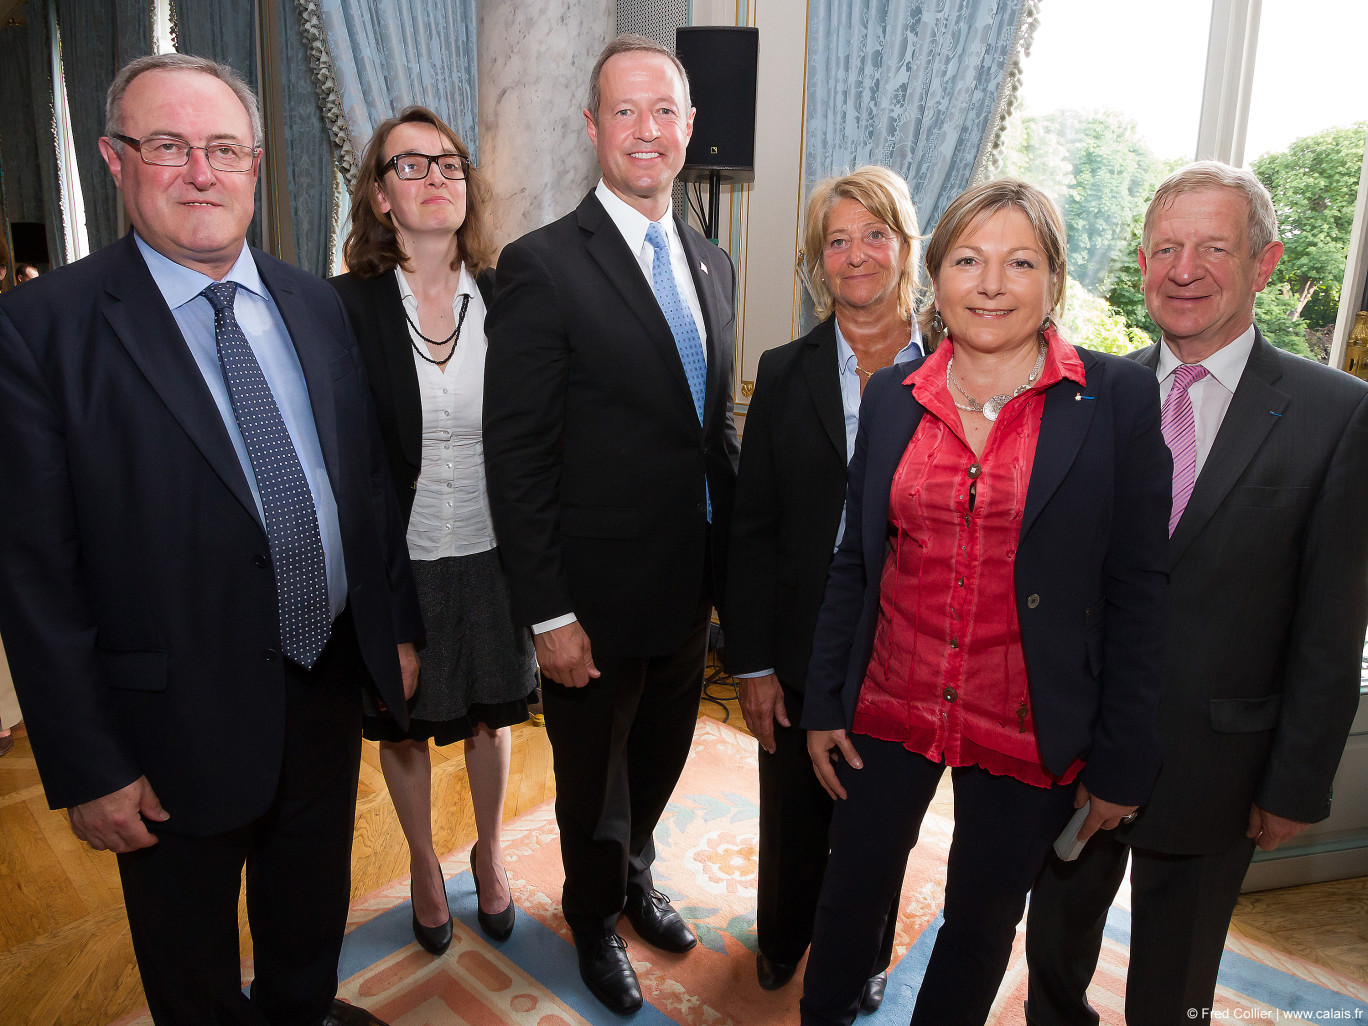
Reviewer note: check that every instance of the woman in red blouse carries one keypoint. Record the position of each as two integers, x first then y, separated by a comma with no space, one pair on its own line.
996,606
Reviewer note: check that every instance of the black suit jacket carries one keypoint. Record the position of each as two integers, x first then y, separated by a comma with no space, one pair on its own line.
1089,571
594,454
789,495
377,313
1269,602
137,604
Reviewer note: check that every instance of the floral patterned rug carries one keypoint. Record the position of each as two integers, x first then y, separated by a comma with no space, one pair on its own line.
707,844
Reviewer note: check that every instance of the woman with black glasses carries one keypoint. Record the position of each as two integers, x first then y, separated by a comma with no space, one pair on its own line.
419,281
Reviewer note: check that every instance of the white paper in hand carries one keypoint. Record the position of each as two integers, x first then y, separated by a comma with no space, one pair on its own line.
1067,845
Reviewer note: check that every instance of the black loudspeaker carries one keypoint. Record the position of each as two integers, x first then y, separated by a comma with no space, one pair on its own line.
721,62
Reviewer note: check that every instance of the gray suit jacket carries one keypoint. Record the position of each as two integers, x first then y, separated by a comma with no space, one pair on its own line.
1268,602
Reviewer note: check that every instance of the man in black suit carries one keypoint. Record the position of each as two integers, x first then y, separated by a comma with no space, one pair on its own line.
204,563
611,456
1268,606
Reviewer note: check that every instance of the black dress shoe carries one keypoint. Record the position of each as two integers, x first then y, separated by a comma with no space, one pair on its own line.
498,925
772,975
608,973
656,921
435,939
343,1014
873,994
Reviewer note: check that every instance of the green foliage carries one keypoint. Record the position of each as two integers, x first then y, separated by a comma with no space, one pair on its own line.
1314,183
1089,321
1275,314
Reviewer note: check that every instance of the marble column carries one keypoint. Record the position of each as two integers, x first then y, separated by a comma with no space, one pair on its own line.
535,61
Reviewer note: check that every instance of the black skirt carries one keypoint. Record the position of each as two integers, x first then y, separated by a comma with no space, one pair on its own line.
477,667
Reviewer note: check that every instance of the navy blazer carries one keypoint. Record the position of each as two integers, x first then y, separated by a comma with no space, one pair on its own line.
1091,571
594,454
137,601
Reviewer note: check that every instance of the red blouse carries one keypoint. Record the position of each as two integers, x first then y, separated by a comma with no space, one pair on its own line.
947,677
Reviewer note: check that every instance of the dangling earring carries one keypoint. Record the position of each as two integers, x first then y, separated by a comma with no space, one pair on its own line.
937,325
1046,324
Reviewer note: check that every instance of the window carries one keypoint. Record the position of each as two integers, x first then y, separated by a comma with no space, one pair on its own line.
1114,97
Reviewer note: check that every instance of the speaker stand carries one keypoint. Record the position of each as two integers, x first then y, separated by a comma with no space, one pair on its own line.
714,205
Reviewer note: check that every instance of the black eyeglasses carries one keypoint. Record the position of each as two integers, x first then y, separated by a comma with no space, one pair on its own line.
413,166
168,151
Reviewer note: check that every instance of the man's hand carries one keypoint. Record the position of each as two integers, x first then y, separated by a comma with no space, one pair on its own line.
408,668
762,705
1102,814
564,656
1269,830
825,747
116,820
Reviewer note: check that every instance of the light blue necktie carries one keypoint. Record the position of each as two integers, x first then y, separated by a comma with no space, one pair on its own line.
682,326
291,520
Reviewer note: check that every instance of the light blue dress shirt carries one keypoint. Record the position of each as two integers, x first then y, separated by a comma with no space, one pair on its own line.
847,363
261,322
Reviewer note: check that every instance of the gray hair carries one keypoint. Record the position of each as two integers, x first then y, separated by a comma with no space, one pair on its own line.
628,43
114,122
1212,174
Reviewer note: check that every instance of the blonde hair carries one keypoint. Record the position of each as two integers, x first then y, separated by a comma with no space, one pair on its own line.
1262,227
973,206
885,195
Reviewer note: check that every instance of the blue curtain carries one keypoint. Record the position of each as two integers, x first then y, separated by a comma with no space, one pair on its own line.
909,84
383,55
98,38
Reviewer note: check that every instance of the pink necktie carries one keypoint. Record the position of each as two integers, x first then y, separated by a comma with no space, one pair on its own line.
1180,432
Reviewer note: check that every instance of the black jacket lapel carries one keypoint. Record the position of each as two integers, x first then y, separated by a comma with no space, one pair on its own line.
147,329
1254,409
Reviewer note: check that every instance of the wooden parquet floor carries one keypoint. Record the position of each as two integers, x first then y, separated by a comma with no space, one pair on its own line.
66,958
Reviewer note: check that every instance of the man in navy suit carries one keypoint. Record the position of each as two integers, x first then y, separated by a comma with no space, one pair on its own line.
1268,600
611,458
203,561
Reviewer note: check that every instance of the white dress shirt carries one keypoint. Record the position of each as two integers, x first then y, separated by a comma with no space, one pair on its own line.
451,503
1212,394
632,224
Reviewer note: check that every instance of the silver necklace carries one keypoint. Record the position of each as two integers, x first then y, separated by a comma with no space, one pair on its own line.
992,406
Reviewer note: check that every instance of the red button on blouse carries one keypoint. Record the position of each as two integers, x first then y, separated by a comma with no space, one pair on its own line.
947,677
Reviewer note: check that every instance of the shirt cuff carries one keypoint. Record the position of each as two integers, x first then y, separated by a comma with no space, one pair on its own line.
553,623
757,673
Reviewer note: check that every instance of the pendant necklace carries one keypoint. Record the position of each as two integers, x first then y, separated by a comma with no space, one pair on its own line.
454,338
992,406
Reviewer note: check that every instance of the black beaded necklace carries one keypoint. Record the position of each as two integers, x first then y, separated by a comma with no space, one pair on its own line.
454,338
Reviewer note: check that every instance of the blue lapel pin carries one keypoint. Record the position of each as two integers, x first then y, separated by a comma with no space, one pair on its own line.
1275,413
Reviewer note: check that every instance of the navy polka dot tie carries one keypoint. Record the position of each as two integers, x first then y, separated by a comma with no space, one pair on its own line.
291,520
682,326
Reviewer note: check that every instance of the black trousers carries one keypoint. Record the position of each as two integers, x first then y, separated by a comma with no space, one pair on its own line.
1180,912
618,746
1003,828
181,894
795,823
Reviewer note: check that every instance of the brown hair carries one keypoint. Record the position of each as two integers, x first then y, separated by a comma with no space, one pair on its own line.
885,195
973,206
1262,227
372,247
628,43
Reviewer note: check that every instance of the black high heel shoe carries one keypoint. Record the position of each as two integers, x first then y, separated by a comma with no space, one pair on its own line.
497,925
435,939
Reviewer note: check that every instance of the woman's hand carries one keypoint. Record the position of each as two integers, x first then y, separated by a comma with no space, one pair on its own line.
825,747
1102,814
